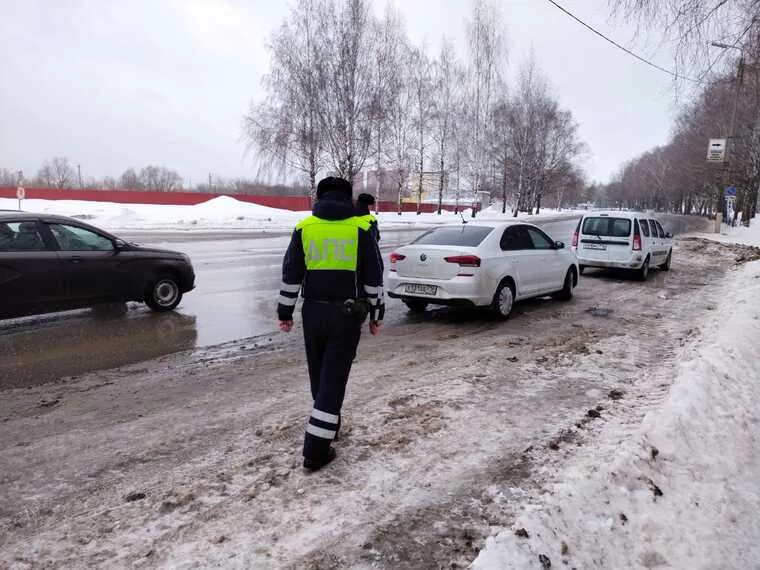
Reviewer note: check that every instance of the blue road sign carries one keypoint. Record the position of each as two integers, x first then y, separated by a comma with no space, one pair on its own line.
731,192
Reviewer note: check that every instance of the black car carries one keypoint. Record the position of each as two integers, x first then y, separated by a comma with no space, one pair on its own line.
54,263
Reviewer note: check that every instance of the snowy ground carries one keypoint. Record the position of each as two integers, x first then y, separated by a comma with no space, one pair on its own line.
680,490
457,427
222,213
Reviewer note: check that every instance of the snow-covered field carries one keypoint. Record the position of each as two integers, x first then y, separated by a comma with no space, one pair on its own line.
222,213
684,492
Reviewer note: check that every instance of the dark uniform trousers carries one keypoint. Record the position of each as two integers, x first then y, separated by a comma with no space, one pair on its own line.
331,338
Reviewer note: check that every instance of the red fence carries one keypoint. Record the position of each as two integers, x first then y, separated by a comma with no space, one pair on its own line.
294,203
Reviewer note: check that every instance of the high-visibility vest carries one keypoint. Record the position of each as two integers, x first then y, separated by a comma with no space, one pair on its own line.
331,244
369,218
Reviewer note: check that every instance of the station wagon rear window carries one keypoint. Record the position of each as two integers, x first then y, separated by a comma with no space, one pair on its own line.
607,227
462,236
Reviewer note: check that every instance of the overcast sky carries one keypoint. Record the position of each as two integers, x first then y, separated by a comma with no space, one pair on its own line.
114,84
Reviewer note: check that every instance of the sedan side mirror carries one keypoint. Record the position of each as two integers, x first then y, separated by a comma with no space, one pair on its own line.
119,244
668,235
559,245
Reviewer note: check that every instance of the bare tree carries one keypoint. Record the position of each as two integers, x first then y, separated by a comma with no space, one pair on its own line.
400,110
693,25
160,179
56,173
346,72
130,180
390,37
486,49
448,76
285,129
9,177
421,75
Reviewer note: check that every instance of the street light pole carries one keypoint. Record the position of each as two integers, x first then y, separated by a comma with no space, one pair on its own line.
731,135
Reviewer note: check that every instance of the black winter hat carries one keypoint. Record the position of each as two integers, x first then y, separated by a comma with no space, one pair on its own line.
368,199
334,184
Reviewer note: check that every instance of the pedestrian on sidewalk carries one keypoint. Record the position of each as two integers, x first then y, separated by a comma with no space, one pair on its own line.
335,263
363,203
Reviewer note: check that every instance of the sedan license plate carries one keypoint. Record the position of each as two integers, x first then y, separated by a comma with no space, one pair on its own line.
420,289
594,246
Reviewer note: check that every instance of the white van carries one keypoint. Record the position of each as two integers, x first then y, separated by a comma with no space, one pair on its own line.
622,240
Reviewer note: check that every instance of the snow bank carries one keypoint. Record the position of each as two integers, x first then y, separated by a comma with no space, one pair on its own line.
685,491
225,213
222,212
738,234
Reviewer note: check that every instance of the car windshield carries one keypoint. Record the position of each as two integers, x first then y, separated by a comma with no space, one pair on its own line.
462,236
607,227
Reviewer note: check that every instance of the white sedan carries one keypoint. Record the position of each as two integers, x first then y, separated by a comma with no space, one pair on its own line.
481,265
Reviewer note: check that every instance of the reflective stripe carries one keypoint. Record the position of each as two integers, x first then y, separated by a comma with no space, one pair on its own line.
372,300
287,301
324,416
371,290
290,288
320,432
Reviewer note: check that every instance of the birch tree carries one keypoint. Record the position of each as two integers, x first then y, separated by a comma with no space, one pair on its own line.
486,55
346,73
421,76
286,127
448,77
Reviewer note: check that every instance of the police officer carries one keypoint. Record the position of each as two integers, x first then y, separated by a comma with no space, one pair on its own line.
363,202
335,263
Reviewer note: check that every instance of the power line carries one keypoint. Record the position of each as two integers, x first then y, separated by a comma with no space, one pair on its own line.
625,49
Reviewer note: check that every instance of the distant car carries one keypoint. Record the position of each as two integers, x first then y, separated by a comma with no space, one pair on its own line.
633,241
53,263
481,265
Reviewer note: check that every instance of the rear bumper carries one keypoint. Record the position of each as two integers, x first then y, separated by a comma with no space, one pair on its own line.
436,301
460,291
635,261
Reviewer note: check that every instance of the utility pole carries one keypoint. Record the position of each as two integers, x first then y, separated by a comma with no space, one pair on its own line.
731,135
209,182
79,172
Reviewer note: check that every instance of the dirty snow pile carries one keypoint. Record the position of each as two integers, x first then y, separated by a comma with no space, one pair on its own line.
223,212
684,492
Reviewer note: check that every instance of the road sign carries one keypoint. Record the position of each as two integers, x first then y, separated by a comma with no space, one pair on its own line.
731,192
716,150
20,193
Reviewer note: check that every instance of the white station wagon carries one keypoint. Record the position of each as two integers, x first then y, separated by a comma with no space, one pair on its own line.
634,241
481,265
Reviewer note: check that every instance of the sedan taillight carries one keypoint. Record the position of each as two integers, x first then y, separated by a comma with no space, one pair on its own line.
464,260
394,258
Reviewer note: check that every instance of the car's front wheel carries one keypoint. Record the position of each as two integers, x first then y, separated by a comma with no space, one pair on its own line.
163,293
416,305
503,300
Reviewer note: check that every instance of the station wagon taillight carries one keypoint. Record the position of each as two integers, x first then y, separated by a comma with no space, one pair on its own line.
577,232
464,260
636,239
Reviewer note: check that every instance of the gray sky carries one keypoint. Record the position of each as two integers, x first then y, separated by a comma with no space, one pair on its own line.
113,84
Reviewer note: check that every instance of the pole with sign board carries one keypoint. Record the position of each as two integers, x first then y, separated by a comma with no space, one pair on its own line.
20,195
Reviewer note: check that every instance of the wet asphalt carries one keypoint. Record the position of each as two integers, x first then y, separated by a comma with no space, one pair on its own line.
237,278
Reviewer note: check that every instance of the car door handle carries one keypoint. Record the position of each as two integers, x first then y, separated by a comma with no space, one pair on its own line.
75,259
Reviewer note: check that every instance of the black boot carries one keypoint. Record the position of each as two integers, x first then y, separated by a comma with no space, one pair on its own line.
316,464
